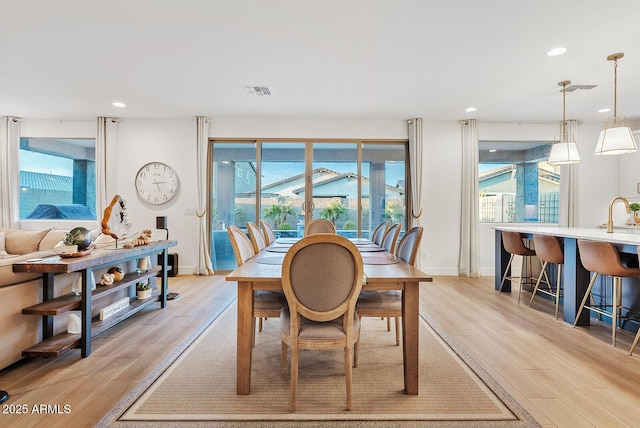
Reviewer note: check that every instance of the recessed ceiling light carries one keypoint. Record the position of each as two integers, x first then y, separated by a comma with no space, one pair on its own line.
493,151
119,104
556,51
604,110
470,109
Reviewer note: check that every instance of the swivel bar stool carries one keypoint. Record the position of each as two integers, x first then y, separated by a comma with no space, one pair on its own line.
548,250
514,245
602,258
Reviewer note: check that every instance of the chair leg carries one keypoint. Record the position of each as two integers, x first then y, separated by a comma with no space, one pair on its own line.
260,324
635,342
356,347
388,324
294,379
397,331
347,375
535,289
615,308
284,358
506,271
524,261
587,294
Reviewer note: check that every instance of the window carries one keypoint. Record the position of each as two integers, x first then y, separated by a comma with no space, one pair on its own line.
516,184
57,179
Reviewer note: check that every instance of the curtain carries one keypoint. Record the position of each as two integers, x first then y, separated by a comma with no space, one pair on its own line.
203,266
9,171
415,169
106,143
469,262
569,186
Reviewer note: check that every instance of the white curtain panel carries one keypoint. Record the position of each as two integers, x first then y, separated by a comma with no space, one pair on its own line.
106,143
203,266
568,215
9,171
469,263
415,170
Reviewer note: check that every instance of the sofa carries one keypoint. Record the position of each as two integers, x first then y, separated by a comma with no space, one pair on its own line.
21,290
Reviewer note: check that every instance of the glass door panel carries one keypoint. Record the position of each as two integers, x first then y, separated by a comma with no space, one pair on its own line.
233,198
282,190
334,186
383,185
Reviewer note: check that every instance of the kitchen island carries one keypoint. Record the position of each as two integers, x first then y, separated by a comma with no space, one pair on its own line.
575,276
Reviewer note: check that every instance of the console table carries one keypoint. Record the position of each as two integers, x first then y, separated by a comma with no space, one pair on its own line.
100,258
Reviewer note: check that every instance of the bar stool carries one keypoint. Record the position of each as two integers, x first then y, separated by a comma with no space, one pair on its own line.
602,258
514,245
548,250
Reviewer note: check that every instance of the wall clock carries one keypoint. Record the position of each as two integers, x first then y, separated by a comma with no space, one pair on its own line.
156,183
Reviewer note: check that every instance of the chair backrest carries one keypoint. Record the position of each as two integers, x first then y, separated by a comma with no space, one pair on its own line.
267,231
391,237
242,246
513,243
408,246
379,232
322,278
548,249
603,258
257,238
319,225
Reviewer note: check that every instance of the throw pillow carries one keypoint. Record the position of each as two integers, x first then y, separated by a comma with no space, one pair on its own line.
24,241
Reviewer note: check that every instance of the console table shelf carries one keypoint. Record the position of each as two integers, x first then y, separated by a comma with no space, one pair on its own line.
56,345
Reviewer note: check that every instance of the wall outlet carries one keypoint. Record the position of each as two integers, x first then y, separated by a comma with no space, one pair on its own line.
189,211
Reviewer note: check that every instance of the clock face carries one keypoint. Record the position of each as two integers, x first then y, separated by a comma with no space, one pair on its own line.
156,183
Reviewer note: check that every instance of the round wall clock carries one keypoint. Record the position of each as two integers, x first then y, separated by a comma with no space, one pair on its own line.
156,183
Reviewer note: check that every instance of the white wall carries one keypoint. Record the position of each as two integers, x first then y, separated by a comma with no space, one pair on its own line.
172,141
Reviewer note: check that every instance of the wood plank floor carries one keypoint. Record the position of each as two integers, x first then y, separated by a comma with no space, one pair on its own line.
563,376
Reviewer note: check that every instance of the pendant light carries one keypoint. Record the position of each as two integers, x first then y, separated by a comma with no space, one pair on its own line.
616,137
564,151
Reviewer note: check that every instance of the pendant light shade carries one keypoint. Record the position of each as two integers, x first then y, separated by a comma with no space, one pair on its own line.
616,138
564,151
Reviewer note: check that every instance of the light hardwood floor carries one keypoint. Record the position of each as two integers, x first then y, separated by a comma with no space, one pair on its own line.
563,376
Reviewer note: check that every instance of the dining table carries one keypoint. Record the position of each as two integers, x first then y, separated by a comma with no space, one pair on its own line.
383,271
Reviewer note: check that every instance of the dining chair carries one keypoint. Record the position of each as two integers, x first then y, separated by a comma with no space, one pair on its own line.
391,238
267,231
379,232
321,277
388,304
319,225
257,238
266,304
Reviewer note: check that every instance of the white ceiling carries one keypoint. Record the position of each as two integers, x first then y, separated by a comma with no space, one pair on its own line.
329,59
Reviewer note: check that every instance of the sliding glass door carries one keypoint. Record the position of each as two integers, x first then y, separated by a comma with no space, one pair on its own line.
354,184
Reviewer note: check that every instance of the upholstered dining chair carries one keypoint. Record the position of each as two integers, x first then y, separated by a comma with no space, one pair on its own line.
391,238
267,231
319,225
266,304
257,238
388,304
322,277
379,232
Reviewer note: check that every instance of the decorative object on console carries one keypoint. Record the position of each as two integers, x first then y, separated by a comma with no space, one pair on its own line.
77,284
144,264
156,183
142,239
107,279
74,323
82,237
616,138
143,290
117,272
114,222
161,223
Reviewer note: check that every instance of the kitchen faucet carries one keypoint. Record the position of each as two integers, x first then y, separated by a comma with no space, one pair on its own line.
610,222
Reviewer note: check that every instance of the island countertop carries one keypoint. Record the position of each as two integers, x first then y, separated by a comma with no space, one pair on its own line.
627,237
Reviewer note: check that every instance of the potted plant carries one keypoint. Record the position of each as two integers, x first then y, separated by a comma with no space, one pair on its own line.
143,290
71,240
635,207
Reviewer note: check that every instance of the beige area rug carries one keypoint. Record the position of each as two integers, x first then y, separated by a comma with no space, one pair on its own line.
198,387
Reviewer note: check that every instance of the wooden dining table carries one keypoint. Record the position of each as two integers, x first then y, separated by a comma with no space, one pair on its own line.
383,271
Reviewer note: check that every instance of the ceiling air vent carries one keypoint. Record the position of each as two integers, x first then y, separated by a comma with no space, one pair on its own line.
259,91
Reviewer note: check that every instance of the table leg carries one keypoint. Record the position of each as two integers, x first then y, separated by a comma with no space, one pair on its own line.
410,343
576,280
245,335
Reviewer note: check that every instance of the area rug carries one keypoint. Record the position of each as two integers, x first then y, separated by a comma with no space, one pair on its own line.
198,387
